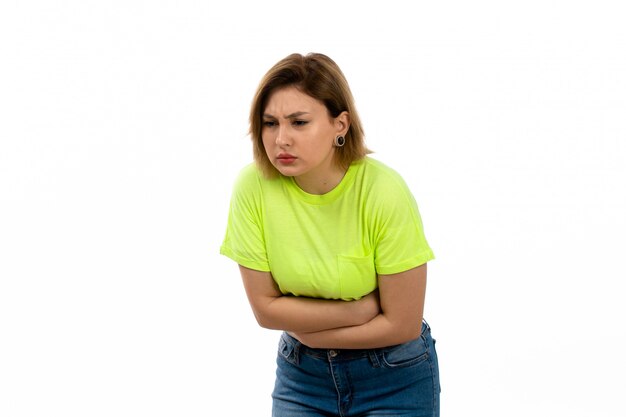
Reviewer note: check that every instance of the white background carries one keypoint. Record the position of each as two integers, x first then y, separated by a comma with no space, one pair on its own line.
123,125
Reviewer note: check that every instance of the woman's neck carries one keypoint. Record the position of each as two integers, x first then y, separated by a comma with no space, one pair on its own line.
319,184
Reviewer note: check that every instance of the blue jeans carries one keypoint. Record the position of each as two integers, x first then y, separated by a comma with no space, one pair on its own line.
400,380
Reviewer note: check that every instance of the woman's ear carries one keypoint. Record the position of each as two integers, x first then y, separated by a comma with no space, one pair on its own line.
342,123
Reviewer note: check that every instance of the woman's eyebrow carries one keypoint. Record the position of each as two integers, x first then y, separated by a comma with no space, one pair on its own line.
290,116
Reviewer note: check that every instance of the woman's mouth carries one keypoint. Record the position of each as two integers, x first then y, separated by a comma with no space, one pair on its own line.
286,159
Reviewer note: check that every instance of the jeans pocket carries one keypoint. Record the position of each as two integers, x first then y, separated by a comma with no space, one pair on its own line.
405,354
286,350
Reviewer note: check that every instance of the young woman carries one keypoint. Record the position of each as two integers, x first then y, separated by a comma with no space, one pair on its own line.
331,249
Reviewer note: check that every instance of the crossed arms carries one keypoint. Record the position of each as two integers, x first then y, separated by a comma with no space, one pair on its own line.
388,316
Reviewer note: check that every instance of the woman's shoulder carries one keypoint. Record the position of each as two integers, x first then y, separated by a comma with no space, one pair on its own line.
388,194
381,176
247,172
250,174
248,179
251,180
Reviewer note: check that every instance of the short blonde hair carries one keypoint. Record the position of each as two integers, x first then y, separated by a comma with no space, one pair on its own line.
319,77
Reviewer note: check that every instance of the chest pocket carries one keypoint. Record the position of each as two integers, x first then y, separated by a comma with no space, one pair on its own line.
357,276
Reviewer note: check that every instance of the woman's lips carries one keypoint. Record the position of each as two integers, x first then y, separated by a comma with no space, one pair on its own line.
286,159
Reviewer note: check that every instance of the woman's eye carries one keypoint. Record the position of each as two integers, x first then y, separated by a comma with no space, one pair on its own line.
269,123
299,122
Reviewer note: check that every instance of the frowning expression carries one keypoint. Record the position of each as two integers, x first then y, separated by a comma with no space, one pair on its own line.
298,134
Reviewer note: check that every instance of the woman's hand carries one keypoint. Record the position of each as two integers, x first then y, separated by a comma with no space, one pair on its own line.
367,307
364,310
273,310
401,308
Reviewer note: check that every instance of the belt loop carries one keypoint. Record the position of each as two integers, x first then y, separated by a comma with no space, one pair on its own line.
373,354
296,350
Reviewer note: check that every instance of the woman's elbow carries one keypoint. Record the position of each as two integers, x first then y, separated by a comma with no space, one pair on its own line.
264,319
260,318
408,330
262,310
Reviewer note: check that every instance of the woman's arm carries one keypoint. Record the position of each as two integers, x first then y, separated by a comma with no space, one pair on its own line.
273,310
402,307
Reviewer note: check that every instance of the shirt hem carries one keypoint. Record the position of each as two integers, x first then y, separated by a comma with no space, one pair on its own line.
248,263
405,266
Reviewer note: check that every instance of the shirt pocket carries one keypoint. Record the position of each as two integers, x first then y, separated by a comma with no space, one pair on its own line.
357,276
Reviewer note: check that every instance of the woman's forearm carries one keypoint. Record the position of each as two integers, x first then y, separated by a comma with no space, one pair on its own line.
378,332
273,310
301,314
400,320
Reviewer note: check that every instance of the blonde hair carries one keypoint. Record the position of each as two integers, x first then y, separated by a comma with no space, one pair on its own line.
319,77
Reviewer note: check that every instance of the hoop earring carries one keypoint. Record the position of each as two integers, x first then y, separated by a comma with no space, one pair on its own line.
340,141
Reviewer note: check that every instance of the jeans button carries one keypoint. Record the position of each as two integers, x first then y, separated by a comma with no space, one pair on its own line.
332,353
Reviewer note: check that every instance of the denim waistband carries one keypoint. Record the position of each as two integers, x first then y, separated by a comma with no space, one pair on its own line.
337,354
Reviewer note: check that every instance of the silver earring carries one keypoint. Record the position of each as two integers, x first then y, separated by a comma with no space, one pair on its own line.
340,141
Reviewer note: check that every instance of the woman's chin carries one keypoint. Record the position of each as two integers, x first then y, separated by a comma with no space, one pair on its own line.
287,171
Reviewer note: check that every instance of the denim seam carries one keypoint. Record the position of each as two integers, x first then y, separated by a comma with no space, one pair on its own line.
332,373
348,388
296,353
373,355
432,377
421,358
410,362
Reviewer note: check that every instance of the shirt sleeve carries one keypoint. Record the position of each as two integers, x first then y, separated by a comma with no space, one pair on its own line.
244,242
400,241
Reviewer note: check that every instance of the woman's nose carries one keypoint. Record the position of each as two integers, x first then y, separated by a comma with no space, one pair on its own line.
282,136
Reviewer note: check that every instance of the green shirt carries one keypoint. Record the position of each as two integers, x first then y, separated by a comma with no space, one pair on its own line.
329,246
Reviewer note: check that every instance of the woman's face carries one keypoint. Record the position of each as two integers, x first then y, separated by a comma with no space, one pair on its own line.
298,134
